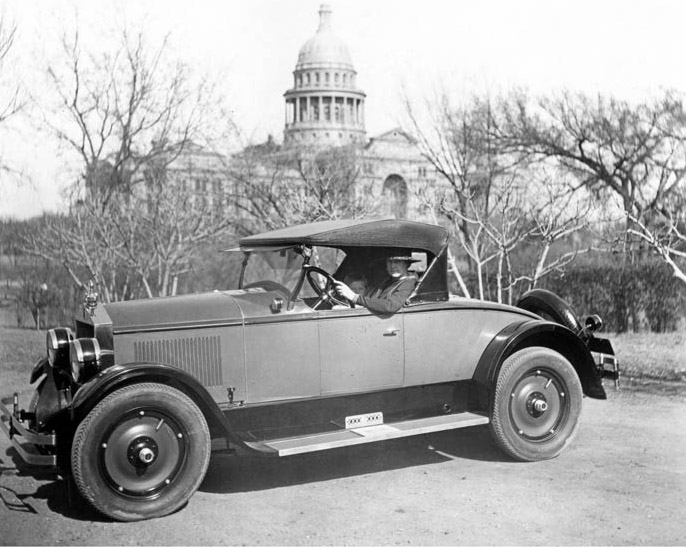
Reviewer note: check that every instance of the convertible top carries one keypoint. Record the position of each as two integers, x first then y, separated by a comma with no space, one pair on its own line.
355,233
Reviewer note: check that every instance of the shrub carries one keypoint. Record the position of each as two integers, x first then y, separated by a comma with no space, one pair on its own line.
629,296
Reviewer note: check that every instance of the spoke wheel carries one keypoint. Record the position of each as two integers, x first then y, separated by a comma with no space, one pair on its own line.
536,405
141,452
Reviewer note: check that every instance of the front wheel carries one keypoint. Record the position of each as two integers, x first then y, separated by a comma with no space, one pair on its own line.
141,452
537,404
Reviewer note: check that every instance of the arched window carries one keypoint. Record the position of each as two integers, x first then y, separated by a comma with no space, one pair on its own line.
394,196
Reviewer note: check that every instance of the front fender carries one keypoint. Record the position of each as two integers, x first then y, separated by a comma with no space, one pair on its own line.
115,377
517,336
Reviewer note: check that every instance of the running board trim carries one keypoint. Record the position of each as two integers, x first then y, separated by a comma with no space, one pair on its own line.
289,446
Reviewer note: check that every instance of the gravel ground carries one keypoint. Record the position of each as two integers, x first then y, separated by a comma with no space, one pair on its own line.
622,482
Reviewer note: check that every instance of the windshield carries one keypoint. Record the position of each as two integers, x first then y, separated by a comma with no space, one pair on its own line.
279,269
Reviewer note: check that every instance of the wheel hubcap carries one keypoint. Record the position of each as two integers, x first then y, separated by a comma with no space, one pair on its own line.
538,405
143,453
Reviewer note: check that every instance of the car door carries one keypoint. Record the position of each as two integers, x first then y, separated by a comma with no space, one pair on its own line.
360,351
281,351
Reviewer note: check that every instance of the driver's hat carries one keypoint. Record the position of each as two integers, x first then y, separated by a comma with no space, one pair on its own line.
404,257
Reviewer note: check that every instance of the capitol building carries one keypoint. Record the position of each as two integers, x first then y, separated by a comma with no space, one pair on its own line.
325,110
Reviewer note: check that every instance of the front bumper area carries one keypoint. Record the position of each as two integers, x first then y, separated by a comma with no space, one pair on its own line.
34,448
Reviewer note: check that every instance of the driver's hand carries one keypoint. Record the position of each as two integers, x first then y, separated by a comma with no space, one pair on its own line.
346,292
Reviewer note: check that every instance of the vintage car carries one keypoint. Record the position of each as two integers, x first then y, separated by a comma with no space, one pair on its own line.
132,401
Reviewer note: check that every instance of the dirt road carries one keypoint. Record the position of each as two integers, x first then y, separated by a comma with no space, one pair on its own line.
623,481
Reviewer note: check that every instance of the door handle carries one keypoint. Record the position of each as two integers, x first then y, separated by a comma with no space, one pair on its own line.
392,331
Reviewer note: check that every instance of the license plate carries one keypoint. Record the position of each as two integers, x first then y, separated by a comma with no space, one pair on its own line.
363,420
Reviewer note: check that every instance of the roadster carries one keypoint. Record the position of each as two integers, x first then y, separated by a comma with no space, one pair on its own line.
130,402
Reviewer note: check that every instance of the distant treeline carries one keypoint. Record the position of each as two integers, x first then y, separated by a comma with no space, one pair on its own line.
629,295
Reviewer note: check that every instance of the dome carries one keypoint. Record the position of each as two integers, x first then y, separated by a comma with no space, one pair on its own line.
324,48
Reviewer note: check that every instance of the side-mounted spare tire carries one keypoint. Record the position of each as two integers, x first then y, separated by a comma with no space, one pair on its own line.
551,307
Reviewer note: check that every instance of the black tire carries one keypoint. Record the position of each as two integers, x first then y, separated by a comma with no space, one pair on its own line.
551,307
141,452
537,404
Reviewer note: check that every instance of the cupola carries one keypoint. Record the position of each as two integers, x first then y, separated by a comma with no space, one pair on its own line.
324,107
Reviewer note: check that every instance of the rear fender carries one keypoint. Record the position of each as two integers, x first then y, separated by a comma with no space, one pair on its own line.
113,378
518,336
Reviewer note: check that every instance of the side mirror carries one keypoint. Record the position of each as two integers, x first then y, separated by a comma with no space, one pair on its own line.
593,323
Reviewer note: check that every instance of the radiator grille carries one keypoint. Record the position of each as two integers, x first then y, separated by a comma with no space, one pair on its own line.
199,356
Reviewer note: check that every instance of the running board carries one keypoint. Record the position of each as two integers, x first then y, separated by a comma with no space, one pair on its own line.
289,446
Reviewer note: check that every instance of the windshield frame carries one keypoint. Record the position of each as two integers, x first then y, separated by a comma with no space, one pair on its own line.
305,251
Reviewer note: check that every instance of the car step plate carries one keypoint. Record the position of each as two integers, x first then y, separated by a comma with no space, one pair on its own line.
360,435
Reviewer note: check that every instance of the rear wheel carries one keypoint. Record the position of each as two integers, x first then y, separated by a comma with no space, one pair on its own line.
141,452
537,404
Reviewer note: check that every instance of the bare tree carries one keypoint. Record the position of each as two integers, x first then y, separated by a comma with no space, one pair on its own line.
665,234
495,204
133,116
635,152
123,108
553,218
457,143
11,99
278,187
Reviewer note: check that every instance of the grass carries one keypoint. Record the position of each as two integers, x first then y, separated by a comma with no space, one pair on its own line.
642,356
651,356
19,351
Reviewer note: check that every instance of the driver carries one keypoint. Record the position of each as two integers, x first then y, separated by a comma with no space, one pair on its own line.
391,294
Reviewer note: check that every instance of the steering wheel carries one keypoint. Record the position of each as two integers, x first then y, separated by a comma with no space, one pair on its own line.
328,292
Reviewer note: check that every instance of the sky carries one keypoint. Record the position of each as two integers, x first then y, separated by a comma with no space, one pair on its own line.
631,49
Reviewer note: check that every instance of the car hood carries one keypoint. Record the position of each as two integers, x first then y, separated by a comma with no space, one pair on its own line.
189,311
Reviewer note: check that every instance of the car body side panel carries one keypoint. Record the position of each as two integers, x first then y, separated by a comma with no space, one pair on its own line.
360,351
444,344
213,356
282,359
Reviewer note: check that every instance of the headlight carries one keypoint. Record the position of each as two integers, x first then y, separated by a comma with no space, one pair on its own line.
57,342
84,354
